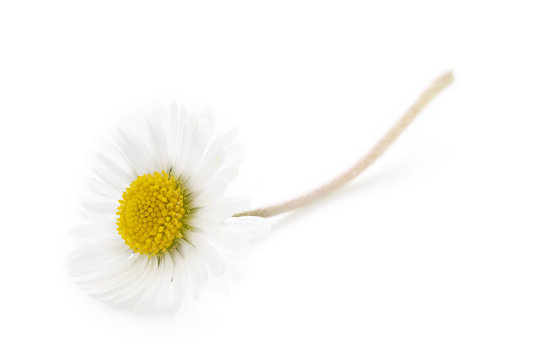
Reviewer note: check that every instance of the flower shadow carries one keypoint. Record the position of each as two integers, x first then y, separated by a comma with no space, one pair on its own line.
365,183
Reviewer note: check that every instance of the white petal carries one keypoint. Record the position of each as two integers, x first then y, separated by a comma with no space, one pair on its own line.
148,287
89,257
216,187
105,229
174,129
97,277
180,280
183,152
126,292
114,169
210,256
223,208
197,271
112,277
95,210
213,164
201,138
134,151
157,137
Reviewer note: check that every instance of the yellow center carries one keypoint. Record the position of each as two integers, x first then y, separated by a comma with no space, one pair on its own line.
152,213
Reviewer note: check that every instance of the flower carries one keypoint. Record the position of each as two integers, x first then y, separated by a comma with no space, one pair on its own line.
157,223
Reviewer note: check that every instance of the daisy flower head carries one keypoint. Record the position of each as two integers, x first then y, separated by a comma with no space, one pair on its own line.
158,224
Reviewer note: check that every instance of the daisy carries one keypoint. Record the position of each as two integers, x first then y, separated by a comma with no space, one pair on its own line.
158,224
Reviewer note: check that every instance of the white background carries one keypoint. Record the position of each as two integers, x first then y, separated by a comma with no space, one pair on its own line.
433,253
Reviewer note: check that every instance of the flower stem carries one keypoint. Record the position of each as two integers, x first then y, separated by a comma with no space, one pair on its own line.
362,164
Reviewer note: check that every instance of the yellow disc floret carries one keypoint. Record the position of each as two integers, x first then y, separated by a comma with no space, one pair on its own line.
152,213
